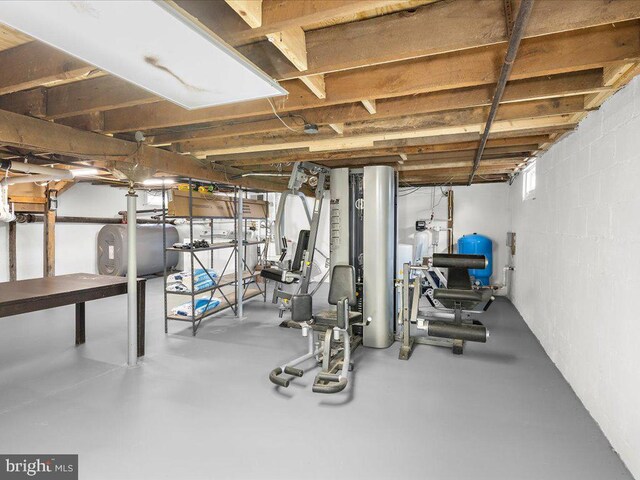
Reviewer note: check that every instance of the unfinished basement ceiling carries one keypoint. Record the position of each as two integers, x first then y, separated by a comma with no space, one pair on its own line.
402,83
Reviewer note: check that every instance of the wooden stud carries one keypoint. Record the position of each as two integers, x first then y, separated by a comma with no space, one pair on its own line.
337,127
315,83
49,241
370,105
292,44
249,10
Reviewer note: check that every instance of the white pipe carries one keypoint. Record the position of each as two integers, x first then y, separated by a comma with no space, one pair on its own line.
22,167
29,179
503,290
42,174
132,280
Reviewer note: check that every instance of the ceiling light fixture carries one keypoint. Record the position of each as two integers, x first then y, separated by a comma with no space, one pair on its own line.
84,172
310,128
150,182
153,44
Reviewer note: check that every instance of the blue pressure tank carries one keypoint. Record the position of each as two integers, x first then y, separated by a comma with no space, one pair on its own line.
475,244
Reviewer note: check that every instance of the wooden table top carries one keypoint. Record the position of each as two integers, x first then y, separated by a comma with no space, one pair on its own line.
59,285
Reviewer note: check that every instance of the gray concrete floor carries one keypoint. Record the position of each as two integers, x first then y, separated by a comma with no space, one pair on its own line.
203,408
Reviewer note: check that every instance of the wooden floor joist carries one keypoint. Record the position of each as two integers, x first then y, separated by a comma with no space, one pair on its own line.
416,100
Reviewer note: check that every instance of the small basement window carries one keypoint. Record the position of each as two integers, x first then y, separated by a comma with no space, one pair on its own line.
154,198
529,181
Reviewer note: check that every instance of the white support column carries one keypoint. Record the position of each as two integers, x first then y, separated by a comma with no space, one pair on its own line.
239,254
132,279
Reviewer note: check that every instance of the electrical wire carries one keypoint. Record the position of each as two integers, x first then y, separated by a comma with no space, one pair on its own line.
280,118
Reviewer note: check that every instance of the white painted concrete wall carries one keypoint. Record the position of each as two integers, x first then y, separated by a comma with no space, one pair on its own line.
480,209
75,243
577,279
296,220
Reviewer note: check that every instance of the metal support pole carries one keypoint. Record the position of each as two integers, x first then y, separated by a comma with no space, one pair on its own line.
132,278
239,251
12,252
450,221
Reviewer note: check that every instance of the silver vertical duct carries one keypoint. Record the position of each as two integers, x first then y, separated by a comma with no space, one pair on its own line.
339,229
379,252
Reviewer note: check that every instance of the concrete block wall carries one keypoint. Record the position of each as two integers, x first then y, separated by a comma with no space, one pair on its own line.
577,276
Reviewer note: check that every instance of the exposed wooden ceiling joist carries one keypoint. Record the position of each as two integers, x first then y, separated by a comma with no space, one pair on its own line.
582,50
427,88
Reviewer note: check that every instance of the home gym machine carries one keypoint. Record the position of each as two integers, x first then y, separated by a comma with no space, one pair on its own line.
454,302
299,269
362,242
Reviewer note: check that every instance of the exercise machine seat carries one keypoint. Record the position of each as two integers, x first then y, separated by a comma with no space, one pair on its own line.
459,292
278,274
343,285
466,299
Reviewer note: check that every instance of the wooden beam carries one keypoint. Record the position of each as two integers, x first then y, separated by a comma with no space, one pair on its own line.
278,15
588,81
12,252
337,127
293,45
349,46
49,240
270,159
27,102
612,74
249,10
370,105
228,130
434,29
580,50
369,139
40,135
315,83
34,63
102,93
93,122
10,38
406,127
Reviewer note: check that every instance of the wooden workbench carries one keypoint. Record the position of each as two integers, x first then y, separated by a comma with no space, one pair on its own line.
25,296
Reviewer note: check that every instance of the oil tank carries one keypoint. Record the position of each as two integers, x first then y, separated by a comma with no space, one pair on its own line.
112,249
475,244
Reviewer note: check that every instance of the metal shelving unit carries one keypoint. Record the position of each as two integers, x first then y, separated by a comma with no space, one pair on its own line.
244,279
